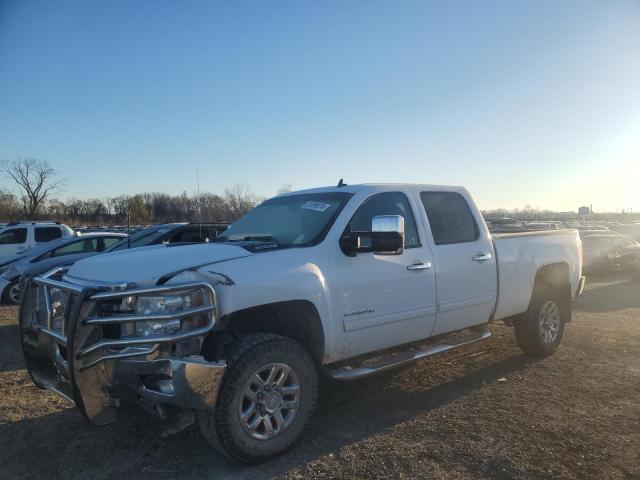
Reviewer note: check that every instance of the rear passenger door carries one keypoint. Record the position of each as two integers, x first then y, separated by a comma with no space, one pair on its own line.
466,275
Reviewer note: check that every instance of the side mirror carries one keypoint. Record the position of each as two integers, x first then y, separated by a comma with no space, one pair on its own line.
386,237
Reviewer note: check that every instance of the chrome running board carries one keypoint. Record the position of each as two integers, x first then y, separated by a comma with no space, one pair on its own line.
396,359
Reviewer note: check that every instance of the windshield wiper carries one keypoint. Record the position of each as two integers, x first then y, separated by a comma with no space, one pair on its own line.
250,238
260,238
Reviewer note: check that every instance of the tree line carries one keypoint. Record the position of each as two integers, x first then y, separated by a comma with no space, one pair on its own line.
37,184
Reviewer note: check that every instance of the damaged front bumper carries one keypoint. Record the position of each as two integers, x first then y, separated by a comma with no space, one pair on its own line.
78,346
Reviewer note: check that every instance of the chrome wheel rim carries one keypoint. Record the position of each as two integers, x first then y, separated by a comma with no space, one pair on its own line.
270,401
549,321
14,293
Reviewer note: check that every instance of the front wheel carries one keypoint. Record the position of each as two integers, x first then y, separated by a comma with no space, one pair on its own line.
541,330
12,293
266,399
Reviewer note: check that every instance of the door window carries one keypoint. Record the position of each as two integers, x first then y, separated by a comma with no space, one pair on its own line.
108,242
188,235
46,234
13,236
82,246
393,203
450,218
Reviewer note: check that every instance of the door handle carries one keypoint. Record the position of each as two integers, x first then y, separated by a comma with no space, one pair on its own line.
418,265
481,257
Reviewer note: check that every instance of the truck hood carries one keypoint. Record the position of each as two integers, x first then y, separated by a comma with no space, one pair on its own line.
144,266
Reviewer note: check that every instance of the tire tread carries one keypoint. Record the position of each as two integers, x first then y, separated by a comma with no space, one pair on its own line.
215,427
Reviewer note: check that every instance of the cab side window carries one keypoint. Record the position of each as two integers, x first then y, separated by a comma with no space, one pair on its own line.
13,236
46,234
450,218
393,203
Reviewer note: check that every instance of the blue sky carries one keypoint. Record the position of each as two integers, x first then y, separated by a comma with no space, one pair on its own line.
532,102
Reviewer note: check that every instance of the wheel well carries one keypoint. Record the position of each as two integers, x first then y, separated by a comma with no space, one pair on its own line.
295,319
556,276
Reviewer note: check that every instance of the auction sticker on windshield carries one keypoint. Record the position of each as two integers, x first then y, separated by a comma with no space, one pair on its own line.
317,206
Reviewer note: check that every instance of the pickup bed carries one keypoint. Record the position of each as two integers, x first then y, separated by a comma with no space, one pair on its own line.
345,281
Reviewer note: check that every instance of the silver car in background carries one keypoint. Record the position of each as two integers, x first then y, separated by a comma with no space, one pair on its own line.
38,260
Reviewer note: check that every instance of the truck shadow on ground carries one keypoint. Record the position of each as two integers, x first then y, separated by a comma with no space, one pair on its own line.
347,413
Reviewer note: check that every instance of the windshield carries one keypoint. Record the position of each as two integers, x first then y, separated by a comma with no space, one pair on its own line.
141,238
292,220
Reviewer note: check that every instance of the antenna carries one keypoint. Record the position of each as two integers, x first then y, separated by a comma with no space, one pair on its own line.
129,226
341,184
199,204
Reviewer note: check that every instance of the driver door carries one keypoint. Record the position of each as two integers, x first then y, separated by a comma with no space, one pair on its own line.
382,300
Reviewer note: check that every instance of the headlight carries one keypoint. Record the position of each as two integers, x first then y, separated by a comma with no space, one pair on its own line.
58,302
163,305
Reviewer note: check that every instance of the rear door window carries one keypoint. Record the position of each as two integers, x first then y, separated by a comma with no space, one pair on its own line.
13,236
46,234
450,218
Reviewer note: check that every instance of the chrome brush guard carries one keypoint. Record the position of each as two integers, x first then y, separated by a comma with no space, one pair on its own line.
70,346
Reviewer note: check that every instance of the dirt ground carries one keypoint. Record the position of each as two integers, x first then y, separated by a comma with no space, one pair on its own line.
487,411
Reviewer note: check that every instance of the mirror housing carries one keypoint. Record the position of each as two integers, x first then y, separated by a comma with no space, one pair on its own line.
386,237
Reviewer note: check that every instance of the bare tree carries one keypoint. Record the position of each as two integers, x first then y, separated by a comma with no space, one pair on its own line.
239,199
9,207
35,179
286,188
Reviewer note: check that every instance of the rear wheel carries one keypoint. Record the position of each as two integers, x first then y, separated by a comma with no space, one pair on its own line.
540,332
266,399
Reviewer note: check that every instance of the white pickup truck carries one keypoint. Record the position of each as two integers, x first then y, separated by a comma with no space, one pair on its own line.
346,281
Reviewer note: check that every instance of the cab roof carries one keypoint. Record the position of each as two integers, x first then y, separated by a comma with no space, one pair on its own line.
380,187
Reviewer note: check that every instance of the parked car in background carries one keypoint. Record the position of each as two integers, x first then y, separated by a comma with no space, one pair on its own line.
12,273
631,230
43,258
608,253
505,227
533,226
172,233
591,226
571,224
18,237
589,233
